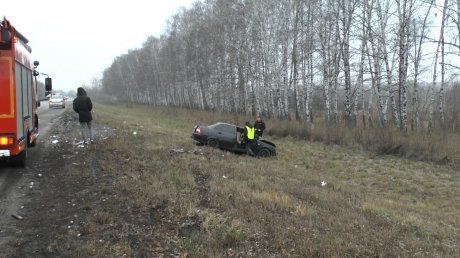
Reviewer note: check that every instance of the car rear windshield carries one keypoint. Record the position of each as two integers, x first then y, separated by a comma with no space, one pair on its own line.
225,128
56,97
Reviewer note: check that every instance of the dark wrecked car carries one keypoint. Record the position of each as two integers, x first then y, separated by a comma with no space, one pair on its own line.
229,137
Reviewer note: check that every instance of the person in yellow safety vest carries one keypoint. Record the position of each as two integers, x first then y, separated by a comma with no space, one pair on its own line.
249,135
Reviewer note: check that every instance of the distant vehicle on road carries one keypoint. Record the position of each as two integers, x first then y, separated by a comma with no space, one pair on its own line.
229,137
57,101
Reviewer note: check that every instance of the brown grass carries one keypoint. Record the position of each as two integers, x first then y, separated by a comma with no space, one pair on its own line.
145,200
440,147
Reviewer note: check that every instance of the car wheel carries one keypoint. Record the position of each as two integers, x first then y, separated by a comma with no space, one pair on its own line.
213,143
264,153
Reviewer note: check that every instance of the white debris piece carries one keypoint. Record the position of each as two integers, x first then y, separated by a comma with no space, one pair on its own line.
39,174
134,133
54,141
17,217
224,177
323,183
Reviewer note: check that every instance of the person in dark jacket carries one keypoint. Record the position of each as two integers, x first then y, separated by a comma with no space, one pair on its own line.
82,105
259,125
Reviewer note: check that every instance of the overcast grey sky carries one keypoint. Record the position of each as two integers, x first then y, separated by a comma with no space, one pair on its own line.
76,40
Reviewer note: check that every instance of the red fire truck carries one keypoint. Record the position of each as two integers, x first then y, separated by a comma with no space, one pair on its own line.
18,95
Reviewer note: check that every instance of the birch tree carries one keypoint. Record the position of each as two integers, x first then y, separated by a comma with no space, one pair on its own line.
418,41
440,48
405,10
275,57
346,13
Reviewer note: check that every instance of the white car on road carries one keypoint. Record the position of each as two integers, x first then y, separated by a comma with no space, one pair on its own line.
57,101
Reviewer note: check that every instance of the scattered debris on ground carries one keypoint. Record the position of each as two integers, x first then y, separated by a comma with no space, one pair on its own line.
180,151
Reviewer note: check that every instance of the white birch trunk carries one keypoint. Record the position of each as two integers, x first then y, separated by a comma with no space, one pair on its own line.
443,69
360,80
418,57
432,98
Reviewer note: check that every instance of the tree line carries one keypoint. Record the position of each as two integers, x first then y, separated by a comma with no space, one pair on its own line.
387,63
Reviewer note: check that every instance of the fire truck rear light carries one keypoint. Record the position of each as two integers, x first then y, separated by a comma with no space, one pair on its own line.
5,140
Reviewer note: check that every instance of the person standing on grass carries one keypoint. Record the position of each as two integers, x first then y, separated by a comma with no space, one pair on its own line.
83,106
259,125
248,138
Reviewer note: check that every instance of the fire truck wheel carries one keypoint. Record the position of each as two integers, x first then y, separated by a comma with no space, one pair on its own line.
31,144
22,158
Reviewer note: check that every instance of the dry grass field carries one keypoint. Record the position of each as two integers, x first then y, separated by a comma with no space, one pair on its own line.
135,194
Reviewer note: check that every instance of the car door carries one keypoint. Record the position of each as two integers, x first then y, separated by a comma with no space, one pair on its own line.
226,135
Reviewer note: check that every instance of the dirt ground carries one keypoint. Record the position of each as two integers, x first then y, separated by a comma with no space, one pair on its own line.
65,207
46,201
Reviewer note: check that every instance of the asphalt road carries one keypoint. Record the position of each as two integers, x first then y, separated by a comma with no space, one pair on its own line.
14,181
